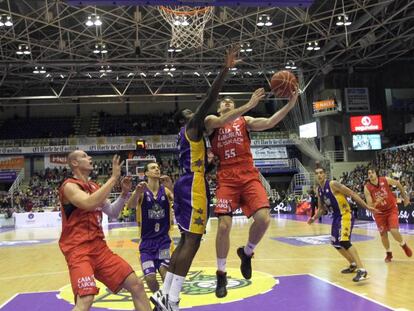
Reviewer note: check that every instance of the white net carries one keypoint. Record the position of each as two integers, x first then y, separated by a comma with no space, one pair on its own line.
187,25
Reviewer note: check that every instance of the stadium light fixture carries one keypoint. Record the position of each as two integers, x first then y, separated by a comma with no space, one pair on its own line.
5,20
264,20
343,20
23,49
93,19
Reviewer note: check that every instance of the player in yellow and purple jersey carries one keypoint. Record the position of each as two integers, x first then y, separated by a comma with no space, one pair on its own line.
191,190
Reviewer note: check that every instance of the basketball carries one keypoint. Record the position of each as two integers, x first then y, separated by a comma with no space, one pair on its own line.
283,83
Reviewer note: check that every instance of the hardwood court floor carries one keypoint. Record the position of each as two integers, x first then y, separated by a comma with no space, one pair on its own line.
29,267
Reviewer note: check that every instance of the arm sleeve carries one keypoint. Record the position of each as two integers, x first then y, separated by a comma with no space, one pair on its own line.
113,209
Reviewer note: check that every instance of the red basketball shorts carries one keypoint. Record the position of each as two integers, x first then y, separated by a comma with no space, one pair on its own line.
239,187
387,221
96,261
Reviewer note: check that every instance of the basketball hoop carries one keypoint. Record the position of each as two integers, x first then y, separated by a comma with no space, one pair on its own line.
187,24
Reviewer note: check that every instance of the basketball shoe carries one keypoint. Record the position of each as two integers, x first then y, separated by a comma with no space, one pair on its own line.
221,290
407,250
160,301
361,275
351,269
388,257
246,263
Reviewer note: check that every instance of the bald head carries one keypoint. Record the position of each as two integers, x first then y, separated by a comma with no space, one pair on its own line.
74,158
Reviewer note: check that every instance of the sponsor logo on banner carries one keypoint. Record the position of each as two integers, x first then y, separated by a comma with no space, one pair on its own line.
368,123
269,152
56,160
11,163
8,176
30,218
323,104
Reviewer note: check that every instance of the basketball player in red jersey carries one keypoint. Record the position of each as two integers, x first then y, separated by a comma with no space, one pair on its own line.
378,194
238,182
82,239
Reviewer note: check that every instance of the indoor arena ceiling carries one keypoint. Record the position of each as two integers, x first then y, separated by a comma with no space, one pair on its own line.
137,39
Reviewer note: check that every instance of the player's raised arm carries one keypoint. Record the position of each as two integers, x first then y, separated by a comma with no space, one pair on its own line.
75,195
261,124
136,195
195,127
336,186
211,122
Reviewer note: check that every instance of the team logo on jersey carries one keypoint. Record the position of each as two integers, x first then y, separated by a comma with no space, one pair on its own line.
198,289
156,212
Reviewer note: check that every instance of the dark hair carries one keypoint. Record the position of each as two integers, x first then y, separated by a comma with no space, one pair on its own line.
179,118
373,168
146,165
320,167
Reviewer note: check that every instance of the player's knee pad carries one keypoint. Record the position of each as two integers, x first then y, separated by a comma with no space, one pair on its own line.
345,244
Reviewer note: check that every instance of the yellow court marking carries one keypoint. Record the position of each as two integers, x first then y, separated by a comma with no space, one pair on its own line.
198,289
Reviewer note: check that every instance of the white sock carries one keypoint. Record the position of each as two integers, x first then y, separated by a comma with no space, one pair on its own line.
388,250
221,264
249,248
176,285
402,243
167,283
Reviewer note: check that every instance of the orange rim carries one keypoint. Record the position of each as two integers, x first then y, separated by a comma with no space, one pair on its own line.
190,13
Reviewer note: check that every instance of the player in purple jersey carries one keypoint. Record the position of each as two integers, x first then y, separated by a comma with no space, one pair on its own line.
154,217
191,190
332,195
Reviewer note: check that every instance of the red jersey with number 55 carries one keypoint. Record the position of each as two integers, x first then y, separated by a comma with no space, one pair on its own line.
231,144
383,194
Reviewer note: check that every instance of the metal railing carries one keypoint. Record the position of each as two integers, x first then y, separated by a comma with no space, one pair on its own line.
265,184
335,156
16,185
301,179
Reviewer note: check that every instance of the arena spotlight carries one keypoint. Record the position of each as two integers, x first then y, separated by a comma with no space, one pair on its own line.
93,20
313,46
343,20
290,64
245,47
23,49
264,20
5,20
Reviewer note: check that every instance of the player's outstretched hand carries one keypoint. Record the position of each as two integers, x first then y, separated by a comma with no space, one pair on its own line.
126,185
257,96
294,96
116,166
231,56
140,188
